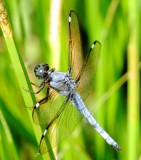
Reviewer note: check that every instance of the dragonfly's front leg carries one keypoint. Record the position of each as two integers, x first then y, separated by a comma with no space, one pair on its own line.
42,85
35,85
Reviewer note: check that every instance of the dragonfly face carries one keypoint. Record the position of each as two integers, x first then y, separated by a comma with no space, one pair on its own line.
41,71
63,105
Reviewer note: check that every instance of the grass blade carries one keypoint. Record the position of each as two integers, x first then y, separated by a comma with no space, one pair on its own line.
18,67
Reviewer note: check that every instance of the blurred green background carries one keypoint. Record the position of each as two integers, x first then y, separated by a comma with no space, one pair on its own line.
41,31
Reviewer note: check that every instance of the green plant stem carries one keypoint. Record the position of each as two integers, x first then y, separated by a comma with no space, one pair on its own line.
19,69
133,83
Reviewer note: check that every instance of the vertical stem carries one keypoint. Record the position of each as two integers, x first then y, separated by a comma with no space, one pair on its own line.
19,67
133,83
54,35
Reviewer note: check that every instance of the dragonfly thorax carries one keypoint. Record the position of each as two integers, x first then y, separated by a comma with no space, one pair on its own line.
62,82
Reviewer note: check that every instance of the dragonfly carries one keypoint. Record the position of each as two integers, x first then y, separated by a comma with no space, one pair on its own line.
63,106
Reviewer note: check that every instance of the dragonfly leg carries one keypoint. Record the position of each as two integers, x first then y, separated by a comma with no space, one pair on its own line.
40,88
52,70
35,85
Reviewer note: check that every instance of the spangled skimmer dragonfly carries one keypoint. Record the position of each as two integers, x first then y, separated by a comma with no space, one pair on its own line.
65,90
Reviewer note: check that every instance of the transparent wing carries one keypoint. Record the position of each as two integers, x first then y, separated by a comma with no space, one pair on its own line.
87,73
47,108
75,50
61,127
60,117
83,70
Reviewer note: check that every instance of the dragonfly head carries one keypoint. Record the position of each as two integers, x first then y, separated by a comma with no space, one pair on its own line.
41,70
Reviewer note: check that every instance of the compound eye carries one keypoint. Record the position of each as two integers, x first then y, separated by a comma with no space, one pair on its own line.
41,71
36,68
46,67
